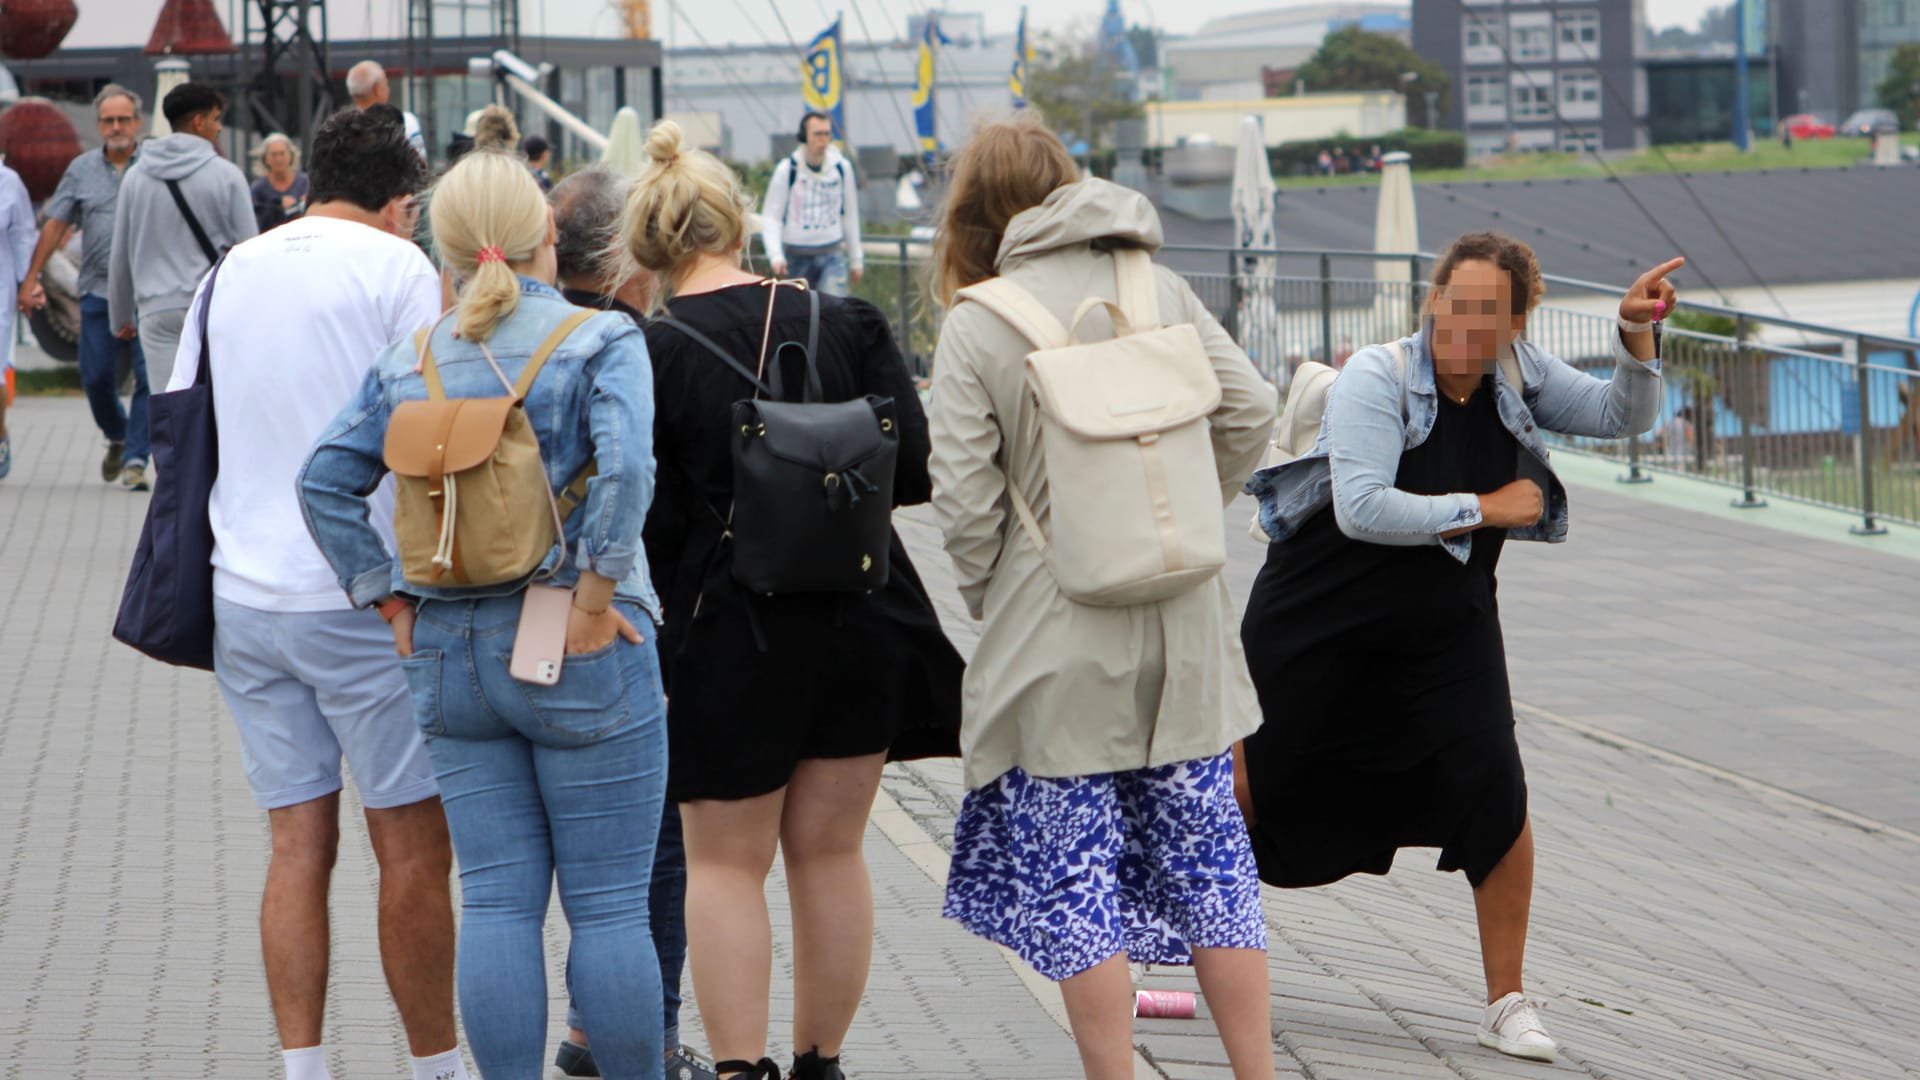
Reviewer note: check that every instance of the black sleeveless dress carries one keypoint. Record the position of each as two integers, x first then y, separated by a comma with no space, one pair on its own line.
1383,679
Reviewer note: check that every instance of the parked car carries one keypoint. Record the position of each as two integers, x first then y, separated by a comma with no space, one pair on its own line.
1807,126
1869,122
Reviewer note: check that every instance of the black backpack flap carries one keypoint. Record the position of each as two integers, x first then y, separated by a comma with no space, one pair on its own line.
813,495
831,437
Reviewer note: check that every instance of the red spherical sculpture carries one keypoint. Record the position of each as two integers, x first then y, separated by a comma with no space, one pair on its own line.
39,142
32,29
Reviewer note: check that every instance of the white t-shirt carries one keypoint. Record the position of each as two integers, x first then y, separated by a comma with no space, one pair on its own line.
299,313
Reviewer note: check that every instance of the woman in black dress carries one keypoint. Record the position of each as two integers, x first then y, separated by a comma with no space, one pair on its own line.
781,709
1373,630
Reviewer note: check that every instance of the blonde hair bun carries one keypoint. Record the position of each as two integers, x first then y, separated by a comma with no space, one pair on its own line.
685,203
665,142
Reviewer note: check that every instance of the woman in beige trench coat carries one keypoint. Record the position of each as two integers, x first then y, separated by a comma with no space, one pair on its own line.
1099,824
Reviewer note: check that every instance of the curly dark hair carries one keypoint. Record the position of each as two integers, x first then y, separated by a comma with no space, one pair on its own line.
1503,251
362,156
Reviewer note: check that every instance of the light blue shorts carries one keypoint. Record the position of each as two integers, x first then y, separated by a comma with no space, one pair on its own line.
307,688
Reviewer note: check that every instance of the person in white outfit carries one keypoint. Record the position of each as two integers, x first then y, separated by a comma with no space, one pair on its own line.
16,254
811,219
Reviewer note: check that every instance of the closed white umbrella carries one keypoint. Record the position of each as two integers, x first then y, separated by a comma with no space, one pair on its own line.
1257,315
1396,231
168,72
626,143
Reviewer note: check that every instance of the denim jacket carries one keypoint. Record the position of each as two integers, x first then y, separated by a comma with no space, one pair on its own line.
1372,418
593,401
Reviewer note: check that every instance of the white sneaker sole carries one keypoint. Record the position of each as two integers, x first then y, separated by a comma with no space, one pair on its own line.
1517,1049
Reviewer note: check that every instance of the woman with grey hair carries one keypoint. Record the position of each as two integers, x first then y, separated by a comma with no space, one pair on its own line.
280,193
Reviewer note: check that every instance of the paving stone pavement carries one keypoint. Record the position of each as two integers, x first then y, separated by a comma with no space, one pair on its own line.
1687,922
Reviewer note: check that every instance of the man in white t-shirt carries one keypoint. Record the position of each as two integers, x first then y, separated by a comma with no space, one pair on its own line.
292,321
367,83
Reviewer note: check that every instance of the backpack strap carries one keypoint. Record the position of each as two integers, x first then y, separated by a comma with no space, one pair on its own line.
429,372
1137,288
539,359
1019,309
707,343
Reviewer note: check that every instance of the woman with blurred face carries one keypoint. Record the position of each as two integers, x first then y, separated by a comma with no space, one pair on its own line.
1373,630
280,193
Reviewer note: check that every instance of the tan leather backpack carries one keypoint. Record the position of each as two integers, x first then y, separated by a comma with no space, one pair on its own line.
472,506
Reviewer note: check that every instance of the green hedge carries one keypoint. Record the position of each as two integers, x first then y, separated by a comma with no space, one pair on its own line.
1430,150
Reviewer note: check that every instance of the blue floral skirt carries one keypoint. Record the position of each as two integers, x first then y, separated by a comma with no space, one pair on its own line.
1069,871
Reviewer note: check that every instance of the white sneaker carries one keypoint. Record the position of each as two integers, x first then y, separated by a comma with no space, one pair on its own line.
1512,1026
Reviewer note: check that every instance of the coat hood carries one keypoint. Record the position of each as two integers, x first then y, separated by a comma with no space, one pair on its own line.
176,156
1081,213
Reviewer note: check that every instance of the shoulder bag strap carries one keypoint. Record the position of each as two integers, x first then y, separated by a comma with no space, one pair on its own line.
199,234
1019,309
204,377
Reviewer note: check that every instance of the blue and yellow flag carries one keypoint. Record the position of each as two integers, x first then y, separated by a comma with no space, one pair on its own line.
1022,55
822,82
923,114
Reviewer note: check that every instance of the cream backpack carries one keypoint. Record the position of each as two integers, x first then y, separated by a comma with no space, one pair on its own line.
1135,494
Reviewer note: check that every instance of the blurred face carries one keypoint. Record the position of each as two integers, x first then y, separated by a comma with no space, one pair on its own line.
1472,323
278,157
819,137
119,124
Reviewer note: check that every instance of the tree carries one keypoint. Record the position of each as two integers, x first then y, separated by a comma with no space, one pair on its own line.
1354,59
1080,93
1900,90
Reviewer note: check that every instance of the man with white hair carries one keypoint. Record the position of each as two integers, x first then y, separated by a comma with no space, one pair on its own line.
367,83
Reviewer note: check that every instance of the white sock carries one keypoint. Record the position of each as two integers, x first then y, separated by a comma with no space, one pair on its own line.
447,1066
306,1063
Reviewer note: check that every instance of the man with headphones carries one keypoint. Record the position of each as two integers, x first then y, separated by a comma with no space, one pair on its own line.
811,219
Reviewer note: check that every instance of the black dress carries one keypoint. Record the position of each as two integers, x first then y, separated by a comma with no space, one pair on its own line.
840,675
1383,679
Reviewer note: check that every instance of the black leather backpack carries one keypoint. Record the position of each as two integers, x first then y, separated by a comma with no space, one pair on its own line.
812,480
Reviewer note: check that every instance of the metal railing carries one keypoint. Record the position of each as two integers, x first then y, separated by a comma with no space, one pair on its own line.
1776,408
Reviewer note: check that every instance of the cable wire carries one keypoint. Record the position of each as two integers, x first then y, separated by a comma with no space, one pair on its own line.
880,66
727,69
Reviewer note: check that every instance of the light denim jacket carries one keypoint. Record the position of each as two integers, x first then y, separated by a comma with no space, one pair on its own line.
593,401
1371,419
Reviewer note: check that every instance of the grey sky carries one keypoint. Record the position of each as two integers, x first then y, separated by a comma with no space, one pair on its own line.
127,22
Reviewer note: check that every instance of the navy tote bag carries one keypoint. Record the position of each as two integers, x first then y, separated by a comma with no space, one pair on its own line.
166,611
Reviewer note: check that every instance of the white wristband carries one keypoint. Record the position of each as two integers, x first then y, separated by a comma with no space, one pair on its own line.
1627,327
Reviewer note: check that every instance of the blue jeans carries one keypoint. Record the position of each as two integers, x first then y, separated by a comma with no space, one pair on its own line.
827,273
667,901
541,782
100,377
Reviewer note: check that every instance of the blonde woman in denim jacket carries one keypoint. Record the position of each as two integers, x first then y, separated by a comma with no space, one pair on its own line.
1373,631
539,782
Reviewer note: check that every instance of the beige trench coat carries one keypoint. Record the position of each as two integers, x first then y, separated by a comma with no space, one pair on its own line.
1059,688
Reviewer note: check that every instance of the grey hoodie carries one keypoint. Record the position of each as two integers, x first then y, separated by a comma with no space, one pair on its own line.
156,264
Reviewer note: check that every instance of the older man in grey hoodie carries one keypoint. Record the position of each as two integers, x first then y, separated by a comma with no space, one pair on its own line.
181,206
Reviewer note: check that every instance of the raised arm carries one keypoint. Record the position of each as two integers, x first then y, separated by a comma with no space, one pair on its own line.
1574,403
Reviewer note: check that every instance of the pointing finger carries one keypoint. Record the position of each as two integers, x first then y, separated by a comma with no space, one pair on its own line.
1660,272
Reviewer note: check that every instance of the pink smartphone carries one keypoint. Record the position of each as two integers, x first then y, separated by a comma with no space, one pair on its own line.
540,643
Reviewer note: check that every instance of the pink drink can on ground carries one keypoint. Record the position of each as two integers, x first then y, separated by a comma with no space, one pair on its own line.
1164,1004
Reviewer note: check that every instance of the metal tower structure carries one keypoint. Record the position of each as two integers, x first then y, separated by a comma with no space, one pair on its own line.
286,49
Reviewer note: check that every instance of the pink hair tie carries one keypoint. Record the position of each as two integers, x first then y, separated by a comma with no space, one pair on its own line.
489,254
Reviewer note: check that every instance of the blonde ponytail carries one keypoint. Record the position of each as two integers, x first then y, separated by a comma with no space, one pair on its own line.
487,204
684,203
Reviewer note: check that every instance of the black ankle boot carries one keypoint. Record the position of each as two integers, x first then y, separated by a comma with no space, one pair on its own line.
764,1069
811,1066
